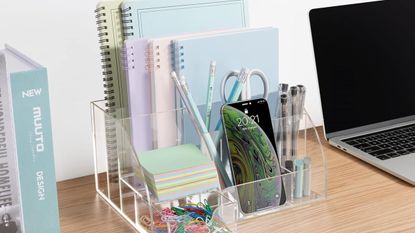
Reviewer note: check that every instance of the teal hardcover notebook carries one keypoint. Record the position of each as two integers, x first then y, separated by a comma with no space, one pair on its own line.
251,48
155,18
31,118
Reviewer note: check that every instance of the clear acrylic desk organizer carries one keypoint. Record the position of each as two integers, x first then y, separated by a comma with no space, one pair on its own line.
119,177
120,181
301,187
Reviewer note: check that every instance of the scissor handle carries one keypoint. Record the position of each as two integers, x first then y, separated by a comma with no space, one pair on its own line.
247,74
263,77
233,73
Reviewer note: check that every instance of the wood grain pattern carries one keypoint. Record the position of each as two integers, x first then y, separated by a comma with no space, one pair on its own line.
361,198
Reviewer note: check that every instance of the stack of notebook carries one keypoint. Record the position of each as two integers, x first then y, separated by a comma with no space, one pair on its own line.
178,171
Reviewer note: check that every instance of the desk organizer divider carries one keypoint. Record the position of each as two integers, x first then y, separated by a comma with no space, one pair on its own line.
130,196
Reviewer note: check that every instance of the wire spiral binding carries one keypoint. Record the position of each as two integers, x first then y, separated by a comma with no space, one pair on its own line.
178,58
156,57
153,58
127,22
127,57
110,129
147,56
105,56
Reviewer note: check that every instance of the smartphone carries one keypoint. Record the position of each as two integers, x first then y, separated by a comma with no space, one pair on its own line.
252,153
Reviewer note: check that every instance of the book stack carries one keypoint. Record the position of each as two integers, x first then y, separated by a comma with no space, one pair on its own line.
28,199
178,171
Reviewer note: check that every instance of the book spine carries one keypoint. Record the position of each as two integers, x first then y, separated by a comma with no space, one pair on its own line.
9,175
33,133
127,22
109,92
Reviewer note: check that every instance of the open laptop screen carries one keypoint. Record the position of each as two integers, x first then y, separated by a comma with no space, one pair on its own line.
365,57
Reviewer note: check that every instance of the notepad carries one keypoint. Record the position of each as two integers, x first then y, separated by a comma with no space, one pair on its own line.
172,159
178,171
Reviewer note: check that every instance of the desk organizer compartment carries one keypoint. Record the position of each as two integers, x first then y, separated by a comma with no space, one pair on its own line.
301,187
121,181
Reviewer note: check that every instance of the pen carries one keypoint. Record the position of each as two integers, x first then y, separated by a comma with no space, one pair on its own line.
209,98
294,115
282,89
284,131
301,92
197,118
289,178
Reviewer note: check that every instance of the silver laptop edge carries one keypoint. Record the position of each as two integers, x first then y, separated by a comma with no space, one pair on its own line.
394,166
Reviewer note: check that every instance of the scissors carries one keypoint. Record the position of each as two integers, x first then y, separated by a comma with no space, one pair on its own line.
240,85
241,88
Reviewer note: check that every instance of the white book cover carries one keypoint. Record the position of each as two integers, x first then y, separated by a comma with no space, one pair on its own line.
10,206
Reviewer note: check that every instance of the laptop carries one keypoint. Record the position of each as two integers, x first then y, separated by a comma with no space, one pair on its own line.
365,60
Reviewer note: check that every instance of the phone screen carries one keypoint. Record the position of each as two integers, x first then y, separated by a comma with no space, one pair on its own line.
251,144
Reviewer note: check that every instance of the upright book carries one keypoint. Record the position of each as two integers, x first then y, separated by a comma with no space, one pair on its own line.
250,48
27,160
135,56
157,18
110,33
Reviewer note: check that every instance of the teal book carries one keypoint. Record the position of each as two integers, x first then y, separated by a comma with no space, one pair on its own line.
251,48
33,147
156,18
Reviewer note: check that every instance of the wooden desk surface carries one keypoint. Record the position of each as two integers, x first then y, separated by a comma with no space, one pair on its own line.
361,198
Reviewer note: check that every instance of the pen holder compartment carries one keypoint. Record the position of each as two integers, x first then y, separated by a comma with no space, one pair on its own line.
119,146
303,177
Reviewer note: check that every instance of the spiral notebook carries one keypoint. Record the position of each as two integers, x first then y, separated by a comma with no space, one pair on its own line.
111,40
139,91
156,18
250,48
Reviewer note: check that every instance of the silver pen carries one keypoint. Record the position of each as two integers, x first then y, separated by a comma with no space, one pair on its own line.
301,92
282,89
284,128
293,94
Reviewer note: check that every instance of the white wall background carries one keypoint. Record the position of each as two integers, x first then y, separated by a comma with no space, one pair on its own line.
62,36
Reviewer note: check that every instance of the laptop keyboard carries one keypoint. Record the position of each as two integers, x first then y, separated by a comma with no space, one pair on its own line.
386,144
